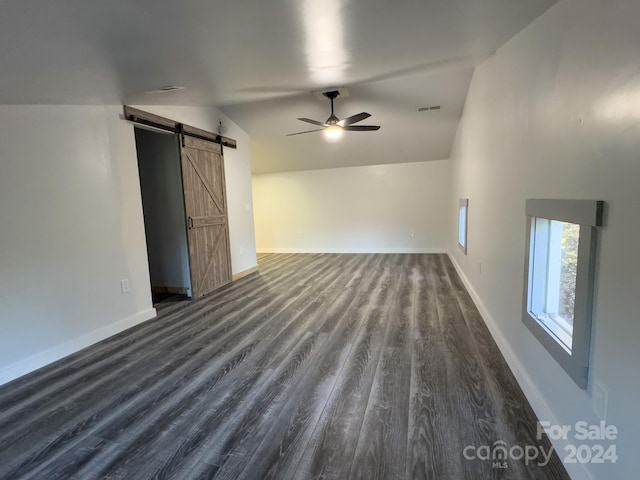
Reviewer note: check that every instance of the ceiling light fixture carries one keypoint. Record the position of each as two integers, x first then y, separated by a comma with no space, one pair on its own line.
333,132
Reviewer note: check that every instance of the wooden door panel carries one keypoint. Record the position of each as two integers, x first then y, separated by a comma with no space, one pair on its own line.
206,212
203,170
207,221
209,258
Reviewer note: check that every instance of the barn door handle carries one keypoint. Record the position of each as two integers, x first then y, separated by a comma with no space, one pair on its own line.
189,223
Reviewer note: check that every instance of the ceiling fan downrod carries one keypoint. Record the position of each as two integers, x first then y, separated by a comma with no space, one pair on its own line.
332,120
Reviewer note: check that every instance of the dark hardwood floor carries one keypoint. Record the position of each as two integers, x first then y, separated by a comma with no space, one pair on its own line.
317,367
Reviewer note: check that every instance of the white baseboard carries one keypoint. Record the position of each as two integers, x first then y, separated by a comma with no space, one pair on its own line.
41,359
531,391
352,250
244,273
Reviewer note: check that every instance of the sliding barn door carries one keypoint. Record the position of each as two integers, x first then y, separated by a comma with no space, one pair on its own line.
206,213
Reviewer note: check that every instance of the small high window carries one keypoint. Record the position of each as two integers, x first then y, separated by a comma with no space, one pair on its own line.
560,265
553,265
462,224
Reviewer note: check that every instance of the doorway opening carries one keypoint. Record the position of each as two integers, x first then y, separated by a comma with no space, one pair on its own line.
164,214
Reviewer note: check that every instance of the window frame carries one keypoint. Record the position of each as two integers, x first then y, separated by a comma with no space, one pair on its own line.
588,214
463,202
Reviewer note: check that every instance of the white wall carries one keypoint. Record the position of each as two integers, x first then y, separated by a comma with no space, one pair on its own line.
556,114
163,208
237,164
356,209
71,227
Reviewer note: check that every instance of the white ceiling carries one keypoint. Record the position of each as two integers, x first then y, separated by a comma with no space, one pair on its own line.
259,60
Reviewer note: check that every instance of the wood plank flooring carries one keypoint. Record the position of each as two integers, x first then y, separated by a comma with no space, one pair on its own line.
316,367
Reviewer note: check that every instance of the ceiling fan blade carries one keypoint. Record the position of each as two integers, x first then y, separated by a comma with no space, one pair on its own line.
313,122
362,128
307,131
353,119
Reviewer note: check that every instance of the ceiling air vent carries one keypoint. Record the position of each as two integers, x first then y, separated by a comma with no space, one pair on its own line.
166,89
432,107
170,88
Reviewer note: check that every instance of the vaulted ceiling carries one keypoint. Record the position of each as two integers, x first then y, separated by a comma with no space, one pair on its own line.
259,61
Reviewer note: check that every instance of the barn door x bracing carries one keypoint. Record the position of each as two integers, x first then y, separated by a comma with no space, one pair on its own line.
206,213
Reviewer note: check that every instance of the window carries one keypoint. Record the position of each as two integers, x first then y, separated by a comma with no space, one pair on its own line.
560,264
553,261
462,224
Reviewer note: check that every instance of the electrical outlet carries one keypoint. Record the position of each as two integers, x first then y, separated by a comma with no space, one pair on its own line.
600,400
247,208
412,234
124,285
241,250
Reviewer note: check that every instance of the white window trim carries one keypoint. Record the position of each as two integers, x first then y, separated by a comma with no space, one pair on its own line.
589,215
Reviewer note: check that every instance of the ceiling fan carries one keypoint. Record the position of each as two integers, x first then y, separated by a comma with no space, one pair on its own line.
333,127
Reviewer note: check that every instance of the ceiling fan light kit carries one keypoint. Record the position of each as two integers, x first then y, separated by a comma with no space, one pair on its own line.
333,132
333,127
